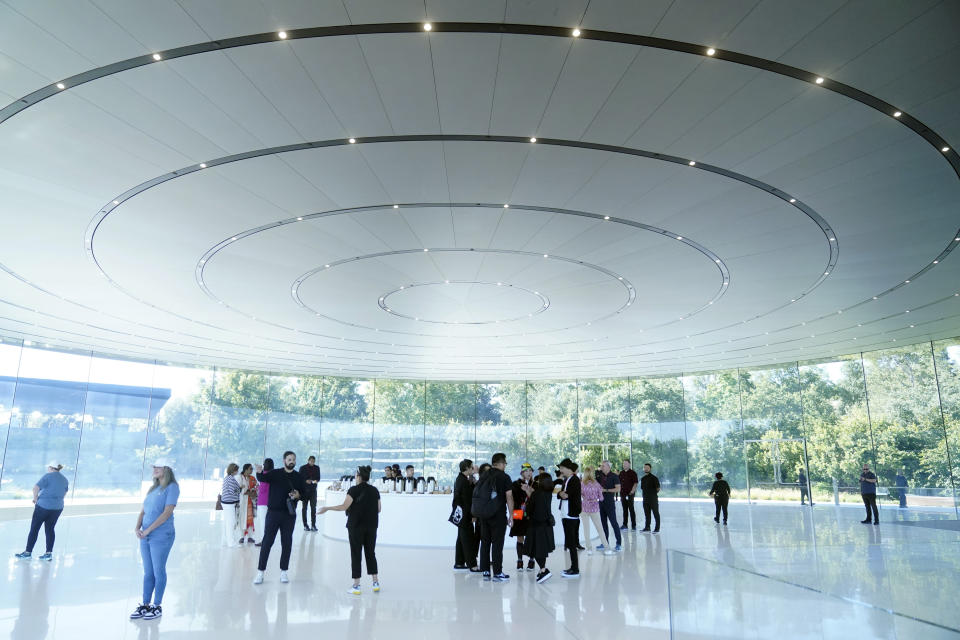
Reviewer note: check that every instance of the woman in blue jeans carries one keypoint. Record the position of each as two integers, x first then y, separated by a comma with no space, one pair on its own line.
155,531
48,496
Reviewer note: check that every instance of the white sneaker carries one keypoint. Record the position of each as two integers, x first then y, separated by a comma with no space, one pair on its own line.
283,577
258,579
354,590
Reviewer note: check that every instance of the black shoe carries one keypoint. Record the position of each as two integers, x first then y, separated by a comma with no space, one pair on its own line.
581,547
155,612
475,570
716,519
486,576
569,573
140,611
306,528
313,528
645,530
257,544
656,530
623,528
876,523
543,576
501,577
460,567
724,523
250,540
530,565
519,565
864,522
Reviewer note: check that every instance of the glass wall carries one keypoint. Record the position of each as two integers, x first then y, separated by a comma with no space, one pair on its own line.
107,419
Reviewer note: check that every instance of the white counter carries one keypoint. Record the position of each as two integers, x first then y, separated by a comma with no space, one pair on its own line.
416,520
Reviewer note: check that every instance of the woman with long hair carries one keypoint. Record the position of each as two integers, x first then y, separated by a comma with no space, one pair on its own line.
48,496
248,504
231,492
263,499
362,505
592,495
156,534
539,539
520,525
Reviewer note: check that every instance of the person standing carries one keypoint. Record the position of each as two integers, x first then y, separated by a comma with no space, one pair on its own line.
492,501
156,534
628,491
263,495
48,496
310,473
362,505
539,538
570,506
901,482
465,557
721,496
804,488
591,495
521,524
650,490
286,487
231,491
868,492
248,504
610,483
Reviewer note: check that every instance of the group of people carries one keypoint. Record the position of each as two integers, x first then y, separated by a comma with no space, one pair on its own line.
486,504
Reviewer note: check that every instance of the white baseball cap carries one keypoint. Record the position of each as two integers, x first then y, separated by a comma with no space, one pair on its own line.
163,462
53,464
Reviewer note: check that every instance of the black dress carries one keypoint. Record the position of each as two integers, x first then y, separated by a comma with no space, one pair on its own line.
539,541
519,527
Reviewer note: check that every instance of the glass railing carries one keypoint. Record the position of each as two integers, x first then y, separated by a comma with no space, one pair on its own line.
711,598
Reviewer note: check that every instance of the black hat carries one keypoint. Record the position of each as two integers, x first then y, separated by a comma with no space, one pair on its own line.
569,464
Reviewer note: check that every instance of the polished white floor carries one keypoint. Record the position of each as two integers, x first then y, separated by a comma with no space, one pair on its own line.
776,571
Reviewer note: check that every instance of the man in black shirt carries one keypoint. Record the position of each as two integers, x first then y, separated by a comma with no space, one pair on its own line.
284,483
311,476
610,487
494,528
466,554
721,496
571,504
649,489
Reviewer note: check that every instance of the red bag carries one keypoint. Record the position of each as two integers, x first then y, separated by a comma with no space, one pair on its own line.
518,514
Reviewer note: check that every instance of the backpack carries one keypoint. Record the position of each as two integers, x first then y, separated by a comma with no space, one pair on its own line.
486,502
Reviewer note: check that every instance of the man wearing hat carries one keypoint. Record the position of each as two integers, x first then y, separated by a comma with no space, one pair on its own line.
570,504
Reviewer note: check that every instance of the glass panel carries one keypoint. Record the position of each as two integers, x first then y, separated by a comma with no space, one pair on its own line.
948,373
294,421
398,424
659,433
709,598
119,398
239,419
179,426
715,443
908,432
836,426
450,435
345,439
500,426
604,418
46,420
551,424
772,413
9,365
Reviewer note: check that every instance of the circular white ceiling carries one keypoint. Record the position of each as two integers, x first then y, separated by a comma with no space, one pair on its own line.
493,199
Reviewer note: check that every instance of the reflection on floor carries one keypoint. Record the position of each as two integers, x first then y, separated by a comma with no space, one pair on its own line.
94,582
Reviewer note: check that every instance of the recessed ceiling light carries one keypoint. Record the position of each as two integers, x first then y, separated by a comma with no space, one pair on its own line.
833,239
793,300
911,326
157,56
874,297
233,238
299,219
606,217
717,260
533,139
116,202
499,284
839,310
60,85
203,165
619,277
425,250
819,80
546,255
826,273
692,163
711,51
446,282
897,114
792,200
906,282
326,266
945,149
907,311
282,35
352,140
576,33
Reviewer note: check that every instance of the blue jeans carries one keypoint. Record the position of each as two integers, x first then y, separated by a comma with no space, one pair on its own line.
47,518
608,513
154,549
